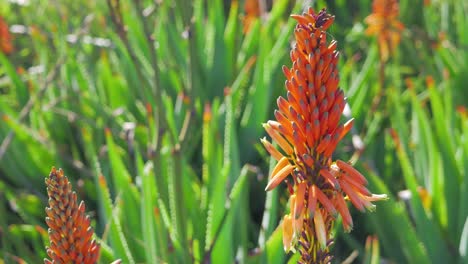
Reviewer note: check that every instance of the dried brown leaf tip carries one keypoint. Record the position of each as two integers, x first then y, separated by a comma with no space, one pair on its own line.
307,130
384,23
70,232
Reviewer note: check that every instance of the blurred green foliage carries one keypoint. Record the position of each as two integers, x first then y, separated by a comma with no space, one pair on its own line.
154,111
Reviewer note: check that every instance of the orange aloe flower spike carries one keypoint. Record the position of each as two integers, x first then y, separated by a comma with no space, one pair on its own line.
383,22
307,130
70,231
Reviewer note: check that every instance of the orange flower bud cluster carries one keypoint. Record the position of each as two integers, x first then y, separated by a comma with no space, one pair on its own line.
384,23
5,38
70,232
307,130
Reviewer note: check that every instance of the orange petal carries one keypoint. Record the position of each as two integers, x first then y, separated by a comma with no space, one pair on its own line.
323,123
271,149
300,19
312,202
344,212
326,203
353,196
298,223
301,188
330,178
356,185
346,127
309,135
308,160
279,139
331,147
283,120
286,72
279,177
283,105
280,165
323,143
299,144
352,172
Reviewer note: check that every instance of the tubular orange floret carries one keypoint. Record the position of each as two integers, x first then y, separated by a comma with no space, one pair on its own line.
320,230
353,196
301,188
287,232
325,202
346,128
271,149
351,172
330,178
279,139
356,185
312,202
344,212
279,177
279,166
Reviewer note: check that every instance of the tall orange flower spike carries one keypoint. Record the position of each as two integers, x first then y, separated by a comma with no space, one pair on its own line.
70,232
5,38
307,131
384,23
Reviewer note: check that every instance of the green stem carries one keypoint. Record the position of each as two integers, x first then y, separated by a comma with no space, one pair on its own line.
177,203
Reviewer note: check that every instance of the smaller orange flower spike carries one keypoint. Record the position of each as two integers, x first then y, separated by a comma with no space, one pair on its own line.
5,38
307,130
70,232
384,23
252,13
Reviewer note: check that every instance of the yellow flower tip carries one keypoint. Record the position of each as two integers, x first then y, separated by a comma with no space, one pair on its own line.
271,149
320,231
369,206
378,197
279,177
287,233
